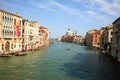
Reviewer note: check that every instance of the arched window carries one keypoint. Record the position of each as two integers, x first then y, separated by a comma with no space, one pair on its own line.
14,21
2,32
3,19
2,46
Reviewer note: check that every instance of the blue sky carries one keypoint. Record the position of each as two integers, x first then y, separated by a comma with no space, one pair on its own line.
59,15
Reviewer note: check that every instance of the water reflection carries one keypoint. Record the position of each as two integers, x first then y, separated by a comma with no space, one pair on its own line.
93,67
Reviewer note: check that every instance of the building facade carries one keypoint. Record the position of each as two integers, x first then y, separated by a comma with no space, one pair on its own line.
107,38
43,36
93,38
116,40
69,32
68,36
30,35
96,39
88,37
10,32
72,37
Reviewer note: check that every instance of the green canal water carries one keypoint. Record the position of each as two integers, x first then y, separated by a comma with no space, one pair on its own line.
60,61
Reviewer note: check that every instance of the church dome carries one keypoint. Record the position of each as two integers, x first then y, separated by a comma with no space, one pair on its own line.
69,33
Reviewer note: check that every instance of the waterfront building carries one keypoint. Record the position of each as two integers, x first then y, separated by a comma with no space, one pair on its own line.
75,33
68,36
116,40
43,36
10,32
78,39
30,35
107,38
101,37
96,38
72,37
107,35
88,37
93,38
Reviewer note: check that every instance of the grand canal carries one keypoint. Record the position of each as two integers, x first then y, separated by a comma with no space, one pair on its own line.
60,61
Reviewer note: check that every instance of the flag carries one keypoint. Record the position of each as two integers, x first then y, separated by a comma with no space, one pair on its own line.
18,31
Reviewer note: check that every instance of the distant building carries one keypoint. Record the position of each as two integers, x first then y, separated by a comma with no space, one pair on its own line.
96,39
89,37
78,39
75,33
43,36
93,38
68,36
72,37
69,32
116,39
10,32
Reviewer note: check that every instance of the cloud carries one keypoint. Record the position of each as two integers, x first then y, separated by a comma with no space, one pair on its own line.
90,9
77,1
95,16
110,8
55,6
5,4
86,14
46,7
65,8
91,12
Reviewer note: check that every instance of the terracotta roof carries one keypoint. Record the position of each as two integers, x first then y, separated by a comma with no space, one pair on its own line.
42,27
33,21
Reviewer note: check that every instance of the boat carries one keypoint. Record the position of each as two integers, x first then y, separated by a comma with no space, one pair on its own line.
68,49
20,54
5,55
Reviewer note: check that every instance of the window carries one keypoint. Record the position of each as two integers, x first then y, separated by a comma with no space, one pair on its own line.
23,23
14,21
95,36
23,31
2,46
20,22
14,33
111,40
3,19
15,40
14,46
111,32
11,46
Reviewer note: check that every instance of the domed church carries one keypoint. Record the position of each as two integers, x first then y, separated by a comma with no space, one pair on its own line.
68,33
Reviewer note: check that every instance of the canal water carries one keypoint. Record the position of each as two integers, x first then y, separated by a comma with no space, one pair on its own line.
60,61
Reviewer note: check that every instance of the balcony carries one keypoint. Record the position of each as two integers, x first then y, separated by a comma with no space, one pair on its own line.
7,36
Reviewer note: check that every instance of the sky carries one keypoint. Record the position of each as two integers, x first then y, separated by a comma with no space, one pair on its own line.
59,15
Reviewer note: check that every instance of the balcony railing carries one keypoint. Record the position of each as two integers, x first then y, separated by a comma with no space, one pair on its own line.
7,36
